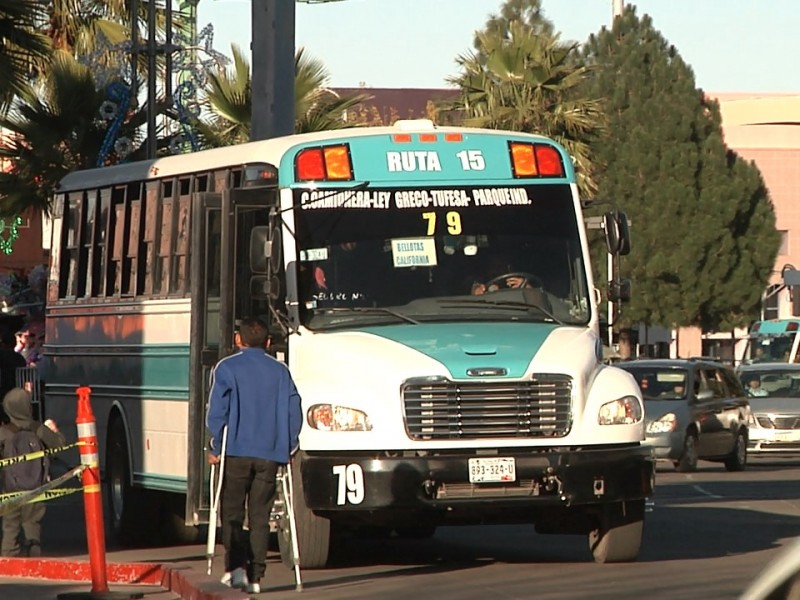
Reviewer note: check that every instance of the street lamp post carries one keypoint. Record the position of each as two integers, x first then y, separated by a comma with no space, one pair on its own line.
272,46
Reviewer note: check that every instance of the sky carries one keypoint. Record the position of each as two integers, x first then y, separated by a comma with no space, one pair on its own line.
731,45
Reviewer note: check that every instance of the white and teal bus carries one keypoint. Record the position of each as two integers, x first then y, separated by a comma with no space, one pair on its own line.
431,292
773,340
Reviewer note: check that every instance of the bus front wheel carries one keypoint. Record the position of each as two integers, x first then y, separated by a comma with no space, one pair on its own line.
618,536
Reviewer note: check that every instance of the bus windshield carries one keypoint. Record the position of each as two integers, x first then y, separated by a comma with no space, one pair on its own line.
770,348
386,256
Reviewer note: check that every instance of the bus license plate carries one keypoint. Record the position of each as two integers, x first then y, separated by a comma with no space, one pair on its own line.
487,470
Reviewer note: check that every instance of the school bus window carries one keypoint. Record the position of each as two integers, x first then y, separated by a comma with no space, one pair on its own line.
164,244
184,186
86,236
118,241
103,278
147,260
180,260
130,275
71,246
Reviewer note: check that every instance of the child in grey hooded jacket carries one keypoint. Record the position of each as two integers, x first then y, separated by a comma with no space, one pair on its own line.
27,518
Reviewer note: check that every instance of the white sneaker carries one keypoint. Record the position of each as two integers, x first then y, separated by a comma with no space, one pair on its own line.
254,588
236,579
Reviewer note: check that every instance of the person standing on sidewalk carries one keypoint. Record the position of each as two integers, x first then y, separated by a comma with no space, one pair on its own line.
21,436
255,397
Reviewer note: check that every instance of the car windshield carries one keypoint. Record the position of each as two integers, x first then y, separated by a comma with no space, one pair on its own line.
766,383
658,383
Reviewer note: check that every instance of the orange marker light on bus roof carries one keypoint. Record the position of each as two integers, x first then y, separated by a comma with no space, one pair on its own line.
401,137
328,163
549,161
427,137
523,160
310,165
337,163
453,137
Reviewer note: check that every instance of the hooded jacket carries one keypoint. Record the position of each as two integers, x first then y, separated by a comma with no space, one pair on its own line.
17,406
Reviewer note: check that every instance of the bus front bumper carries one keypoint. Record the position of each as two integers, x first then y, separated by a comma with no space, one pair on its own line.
555,477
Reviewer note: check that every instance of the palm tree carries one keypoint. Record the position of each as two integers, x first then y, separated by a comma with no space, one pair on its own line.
229,98
20,45
51,134
523,79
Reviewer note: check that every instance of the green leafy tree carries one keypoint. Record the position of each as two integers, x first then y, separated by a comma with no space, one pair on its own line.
703,226
50,134
522,77
229,99
22,46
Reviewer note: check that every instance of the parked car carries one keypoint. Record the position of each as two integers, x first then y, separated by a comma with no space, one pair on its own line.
774,390
694,409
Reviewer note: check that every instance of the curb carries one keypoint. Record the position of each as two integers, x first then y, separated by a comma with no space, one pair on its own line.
184,580
179,578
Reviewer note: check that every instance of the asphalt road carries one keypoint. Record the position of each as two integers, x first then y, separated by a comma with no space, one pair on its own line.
709,535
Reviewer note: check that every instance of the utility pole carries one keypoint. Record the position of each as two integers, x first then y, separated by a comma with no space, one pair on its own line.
272,47
617,6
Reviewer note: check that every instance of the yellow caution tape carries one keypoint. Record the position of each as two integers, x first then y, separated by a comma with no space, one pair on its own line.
21,498
38,454
48,495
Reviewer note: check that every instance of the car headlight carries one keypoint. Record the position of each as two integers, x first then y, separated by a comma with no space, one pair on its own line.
330,417
624,411
665,424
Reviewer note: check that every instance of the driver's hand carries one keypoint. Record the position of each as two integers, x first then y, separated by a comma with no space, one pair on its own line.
478,289
516,282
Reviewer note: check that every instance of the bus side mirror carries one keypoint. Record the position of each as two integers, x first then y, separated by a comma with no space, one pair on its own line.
265,249
619,291
618,236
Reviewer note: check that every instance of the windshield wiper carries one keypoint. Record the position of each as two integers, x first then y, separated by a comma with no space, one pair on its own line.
504,304
372,309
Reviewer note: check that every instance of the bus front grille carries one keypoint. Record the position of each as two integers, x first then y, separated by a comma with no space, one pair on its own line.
444,410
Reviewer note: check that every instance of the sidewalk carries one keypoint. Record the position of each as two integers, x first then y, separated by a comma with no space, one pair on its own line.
29,578
158,573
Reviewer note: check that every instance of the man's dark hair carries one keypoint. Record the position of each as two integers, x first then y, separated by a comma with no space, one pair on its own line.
253,332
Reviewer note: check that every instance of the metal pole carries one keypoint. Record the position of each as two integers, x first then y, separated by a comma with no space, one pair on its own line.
134,52
168,49
152,74
610,304
272,46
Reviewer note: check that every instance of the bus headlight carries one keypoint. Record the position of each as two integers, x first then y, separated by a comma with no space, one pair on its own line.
665,424
330,417
624,411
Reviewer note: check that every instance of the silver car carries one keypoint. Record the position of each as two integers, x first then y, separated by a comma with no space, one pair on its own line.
774,394
694,409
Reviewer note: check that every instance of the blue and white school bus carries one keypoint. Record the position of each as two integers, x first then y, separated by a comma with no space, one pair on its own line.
431,292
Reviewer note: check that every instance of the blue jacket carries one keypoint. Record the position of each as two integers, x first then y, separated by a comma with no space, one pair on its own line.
255,396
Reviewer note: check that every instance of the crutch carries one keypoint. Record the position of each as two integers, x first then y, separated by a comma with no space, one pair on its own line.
288,501
214,493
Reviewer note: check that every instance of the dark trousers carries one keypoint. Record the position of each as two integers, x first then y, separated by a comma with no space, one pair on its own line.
248,484
28,518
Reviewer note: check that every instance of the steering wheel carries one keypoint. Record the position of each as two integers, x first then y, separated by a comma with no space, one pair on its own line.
501,281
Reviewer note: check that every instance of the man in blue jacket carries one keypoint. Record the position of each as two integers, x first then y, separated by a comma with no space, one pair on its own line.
255,397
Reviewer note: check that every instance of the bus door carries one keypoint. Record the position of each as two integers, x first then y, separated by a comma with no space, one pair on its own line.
231,275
